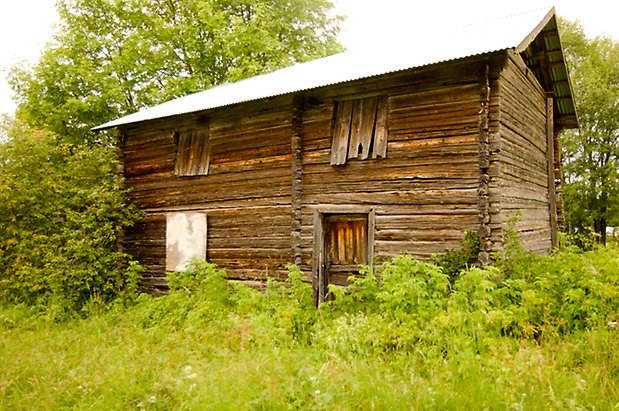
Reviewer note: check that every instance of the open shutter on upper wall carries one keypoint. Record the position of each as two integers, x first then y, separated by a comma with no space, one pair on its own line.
360,129
193,153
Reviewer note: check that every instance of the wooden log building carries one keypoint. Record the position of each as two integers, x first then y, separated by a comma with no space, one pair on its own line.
351,159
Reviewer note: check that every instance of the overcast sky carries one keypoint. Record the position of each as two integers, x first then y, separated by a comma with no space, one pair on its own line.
26,25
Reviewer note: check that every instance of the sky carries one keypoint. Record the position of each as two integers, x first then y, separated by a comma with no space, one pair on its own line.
27,25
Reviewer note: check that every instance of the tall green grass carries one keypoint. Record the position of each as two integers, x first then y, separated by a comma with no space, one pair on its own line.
529,333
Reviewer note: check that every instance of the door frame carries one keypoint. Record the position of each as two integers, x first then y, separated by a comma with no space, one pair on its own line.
319,277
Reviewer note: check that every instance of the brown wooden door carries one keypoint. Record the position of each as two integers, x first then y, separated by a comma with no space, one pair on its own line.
346,246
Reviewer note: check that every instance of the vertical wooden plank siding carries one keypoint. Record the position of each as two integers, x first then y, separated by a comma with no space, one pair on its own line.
204,155
380,130
182,152
347,235
355,128
550,151
341,132
368,118
193,153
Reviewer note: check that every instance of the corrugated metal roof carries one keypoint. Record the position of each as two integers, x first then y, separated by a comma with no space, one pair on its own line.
512,32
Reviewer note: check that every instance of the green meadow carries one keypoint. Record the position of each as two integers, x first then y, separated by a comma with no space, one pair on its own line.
525,333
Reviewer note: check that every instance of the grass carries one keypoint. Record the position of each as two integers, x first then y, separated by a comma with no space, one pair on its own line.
217,348
110,361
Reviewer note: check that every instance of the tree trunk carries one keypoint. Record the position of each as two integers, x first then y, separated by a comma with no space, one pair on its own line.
599,225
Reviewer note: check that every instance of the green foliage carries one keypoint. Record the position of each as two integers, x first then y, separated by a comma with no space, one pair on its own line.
410,287
289,306
591,154
408,302
540,338
199,276
113,57
453,262
513,258
61,212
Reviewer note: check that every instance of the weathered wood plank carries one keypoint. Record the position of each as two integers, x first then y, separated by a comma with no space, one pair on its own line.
355,128
381,130
297,178
341,132
368,120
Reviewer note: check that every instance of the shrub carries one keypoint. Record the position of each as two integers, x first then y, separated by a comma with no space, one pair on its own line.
61,214
199,277
453,262
408,303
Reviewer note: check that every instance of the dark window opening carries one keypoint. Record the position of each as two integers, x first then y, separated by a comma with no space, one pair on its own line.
346,246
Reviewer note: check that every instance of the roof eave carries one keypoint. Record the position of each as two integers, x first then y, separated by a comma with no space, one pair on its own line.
554,75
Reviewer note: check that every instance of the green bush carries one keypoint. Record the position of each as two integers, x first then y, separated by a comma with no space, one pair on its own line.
401,336
61,214
406,302
453,262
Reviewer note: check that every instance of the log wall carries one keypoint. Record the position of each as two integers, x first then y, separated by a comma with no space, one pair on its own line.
246,195
523,156
424,193
466,145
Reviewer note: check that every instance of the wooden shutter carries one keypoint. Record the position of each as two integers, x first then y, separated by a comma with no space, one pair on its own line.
380,129
193,154
341,132
360,129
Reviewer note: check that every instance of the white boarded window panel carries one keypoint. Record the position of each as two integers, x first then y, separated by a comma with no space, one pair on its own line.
185,239
360,130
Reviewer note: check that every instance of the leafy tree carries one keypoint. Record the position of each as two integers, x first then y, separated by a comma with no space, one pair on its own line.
113,57
590,154
62,210
61,214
